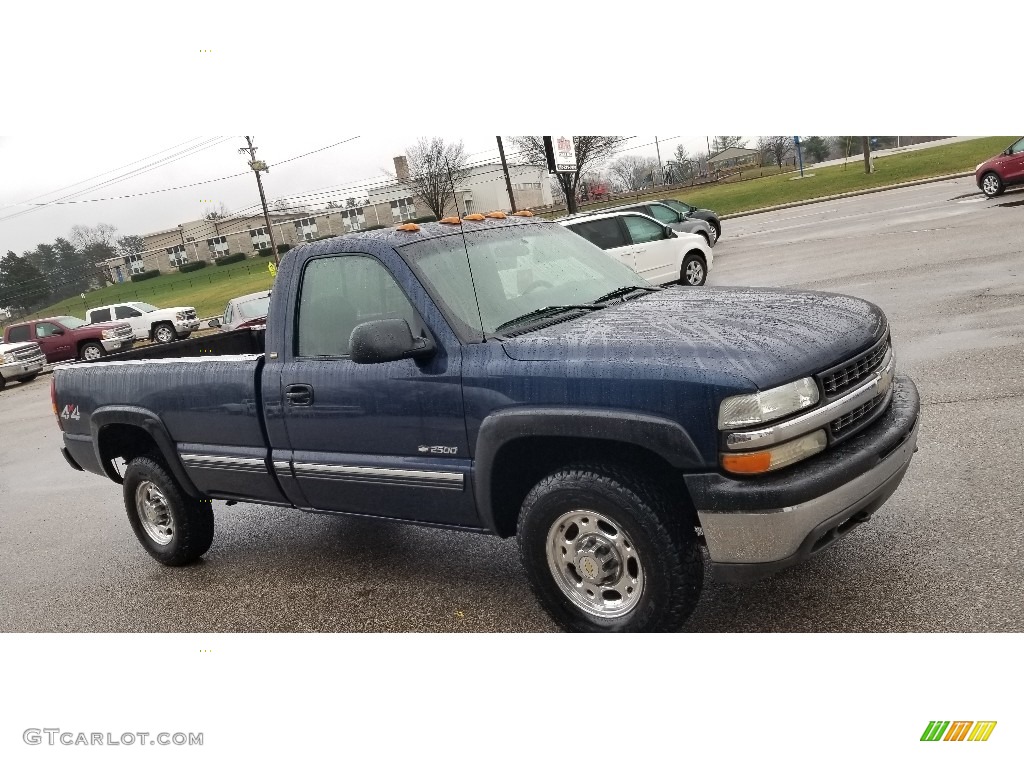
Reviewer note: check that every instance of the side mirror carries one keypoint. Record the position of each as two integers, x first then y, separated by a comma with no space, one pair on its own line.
57,332
382,341
669,232
215,323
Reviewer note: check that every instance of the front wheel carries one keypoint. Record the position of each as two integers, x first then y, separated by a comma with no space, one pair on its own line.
91,351
172,526
27,379
164,333
693,271
991,185
605,552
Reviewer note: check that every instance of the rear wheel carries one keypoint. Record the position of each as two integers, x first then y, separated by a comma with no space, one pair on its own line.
172,526
164,333
991,185
693,272
91,351
605,552
3,382
716,231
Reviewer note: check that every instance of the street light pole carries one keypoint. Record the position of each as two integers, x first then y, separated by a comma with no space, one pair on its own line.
508,179
258,166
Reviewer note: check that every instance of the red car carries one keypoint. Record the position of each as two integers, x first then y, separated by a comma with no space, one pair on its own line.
67,338
1004,170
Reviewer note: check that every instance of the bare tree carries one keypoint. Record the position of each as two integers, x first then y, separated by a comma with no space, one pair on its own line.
722,143
435,170
775,148
96,244
591,153
632,171
218,213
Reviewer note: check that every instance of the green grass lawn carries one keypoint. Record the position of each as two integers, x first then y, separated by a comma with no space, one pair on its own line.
208,290
777,189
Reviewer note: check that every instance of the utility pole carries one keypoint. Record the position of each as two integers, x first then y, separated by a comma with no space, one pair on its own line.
508,181
866,140
657,149
258,166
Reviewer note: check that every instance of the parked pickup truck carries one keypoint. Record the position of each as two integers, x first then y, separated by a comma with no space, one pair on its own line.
66,338
20,362
503,375
148,322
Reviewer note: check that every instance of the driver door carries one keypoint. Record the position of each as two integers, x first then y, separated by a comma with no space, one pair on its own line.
655,252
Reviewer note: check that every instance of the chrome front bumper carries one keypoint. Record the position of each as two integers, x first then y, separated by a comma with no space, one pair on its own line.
748,543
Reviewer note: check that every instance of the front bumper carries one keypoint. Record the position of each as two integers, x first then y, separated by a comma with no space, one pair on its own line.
186,326
754,527
119,344
22,368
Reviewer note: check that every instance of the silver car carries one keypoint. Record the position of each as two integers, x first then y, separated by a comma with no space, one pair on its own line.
671,217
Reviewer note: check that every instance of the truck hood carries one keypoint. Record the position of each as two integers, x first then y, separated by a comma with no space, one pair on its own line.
766,336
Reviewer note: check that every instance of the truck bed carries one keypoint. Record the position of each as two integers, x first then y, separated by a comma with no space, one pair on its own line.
246,341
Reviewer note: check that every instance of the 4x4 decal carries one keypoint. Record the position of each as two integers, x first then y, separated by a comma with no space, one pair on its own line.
70,412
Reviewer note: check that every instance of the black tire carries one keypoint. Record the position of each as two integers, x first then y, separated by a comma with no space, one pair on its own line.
190,520
992,185
94,348
694,271
184,335
27,379
3,382
707,238
718,230
665,544
164,333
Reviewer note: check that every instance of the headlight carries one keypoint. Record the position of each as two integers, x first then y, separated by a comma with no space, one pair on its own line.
776,457
179,316
3,360
743,410
108,334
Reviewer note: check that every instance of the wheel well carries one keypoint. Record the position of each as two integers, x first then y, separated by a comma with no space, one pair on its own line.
84,342
521,464
127,442
695,252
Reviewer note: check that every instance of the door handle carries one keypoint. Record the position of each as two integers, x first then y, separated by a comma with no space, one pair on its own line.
299,394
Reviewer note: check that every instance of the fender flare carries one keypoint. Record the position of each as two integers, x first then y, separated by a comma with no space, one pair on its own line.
662,436
150,423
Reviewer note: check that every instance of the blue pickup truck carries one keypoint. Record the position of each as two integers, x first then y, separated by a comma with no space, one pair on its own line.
501,374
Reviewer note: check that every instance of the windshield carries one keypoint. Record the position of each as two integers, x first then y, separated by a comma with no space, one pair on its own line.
516,270
143,307
254,307
679,205
70,322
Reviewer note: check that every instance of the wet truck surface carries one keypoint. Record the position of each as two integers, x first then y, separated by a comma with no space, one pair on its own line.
503,375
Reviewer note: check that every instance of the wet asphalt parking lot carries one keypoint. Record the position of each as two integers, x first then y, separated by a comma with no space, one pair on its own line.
944,554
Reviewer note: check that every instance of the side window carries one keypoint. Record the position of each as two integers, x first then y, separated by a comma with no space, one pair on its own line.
643,230
100,315
123,313
664,214
340,292
18,333
229,313
44,330
604,233
1018,147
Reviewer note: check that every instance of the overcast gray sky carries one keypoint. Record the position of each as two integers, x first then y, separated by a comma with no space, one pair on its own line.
44,169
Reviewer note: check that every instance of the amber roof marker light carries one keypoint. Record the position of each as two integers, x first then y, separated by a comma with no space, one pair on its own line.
410,227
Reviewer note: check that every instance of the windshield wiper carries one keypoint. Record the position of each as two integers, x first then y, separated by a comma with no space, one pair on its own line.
554,309
624,291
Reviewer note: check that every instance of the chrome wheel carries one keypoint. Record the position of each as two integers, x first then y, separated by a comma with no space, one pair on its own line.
594,563
990,184
694,272
91,353
164,334
154,513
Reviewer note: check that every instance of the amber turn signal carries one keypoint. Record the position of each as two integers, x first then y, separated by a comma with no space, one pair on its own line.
496,215
473,217
747,463
523,213
409,227
450,220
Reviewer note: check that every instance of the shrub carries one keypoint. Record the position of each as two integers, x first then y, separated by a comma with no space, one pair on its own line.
229,259
284,248
145,275
192,266
423,219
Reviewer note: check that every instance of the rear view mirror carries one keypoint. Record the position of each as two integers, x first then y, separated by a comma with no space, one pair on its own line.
215,323
382,341
669,232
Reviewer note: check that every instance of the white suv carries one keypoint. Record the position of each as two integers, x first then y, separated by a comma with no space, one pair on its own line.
651,249
147,321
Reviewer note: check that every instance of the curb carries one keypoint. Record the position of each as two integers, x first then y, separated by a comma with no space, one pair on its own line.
843,195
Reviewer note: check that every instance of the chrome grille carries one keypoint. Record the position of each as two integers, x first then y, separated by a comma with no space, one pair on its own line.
125,331
190,314
852,419
854,371
27,353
